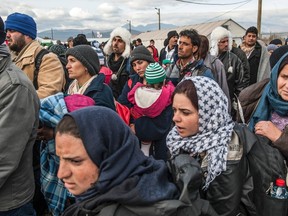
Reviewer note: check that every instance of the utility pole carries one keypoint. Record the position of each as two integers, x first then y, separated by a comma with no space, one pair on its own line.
158,12
259,17
129,22
52,37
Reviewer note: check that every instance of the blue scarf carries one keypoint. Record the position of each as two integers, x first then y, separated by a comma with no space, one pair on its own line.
133,177
270,100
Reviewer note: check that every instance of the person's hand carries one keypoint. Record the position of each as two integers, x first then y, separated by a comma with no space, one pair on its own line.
132,126
166,63
45,133
267,129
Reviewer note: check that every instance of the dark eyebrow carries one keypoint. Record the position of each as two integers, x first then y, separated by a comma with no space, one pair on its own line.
73,158
183,109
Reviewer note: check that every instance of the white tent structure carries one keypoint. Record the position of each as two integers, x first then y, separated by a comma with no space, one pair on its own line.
159,36
100,40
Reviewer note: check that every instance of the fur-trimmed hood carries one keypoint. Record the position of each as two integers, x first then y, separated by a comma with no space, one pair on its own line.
126,37
217,34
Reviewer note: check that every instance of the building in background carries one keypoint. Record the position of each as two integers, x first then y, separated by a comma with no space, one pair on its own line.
203,28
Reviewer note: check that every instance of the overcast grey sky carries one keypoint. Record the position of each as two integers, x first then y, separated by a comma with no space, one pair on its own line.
106,15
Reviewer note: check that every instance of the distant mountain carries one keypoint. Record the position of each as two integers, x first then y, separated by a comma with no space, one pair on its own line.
62,35
149,27
59,34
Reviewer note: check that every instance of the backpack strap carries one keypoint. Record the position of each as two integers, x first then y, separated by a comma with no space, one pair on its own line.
240,110
38,60
202,70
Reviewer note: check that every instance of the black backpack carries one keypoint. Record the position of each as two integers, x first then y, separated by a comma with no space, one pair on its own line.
38,61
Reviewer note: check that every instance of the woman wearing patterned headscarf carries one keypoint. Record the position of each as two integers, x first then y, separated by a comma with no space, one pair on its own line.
205,130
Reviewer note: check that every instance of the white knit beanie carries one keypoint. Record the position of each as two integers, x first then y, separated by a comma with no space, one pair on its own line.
125,36
217,34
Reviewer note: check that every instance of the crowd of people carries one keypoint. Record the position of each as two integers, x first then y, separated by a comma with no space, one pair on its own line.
198,128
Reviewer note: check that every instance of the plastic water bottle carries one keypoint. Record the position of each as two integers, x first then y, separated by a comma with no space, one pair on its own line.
279,190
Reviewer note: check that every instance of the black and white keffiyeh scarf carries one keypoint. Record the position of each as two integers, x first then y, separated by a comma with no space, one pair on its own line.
215,128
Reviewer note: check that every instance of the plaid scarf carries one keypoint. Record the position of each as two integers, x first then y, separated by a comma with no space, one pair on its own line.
247,50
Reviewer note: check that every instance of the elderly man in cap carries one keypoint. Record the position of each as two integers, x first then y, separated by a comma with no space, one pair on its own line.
19,111
118,50
170,51
21,34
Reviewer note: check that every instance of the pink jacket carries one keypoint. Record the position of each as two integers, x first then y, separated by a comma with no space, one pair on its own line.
157,105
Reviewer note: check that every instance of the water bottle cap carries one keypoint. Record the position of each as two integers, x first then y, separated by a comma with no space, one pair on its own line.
280,182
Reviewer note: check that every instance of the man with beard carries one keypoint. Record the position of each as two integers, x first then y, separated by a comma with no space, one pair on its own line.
188,64
257,55
118,50
21,33
237,78
170,51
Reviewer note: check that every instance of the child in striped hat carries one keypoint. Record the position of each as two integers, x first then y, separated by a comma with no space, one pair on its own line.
150,98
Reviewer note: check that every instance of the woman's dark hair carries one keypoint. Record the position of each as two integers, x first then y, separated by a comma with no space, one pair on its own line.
157,86
203,48
188,88
283,63
80,40
67,125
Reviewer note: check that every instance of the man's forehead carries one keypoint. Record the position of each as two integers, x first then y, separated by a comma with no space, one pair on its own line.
251,34
225,38
117,38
